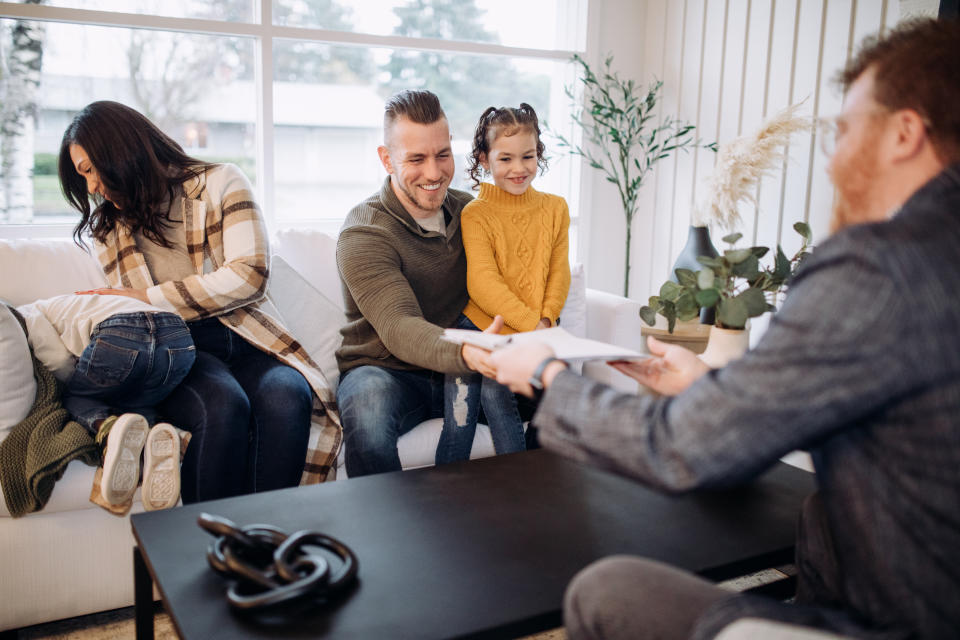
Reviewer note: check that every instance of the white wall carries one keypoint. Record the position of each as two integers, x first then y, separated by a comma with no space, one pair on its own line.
726,66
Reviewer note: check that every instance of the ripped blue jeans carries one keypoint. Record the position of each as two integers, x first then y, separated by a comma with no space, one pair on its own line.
463,396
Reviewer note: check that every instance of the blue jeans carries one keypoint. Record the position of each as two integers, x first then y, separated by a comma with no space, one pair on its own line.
132,363
377,406
463,397
248,413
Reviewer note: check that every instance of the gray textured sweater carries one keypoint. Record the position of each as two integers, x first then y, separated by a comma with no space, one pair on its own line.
861,366
401,286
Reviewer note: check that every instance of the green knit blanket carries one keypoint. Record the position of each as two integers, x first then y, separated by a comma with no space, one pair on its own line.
36,452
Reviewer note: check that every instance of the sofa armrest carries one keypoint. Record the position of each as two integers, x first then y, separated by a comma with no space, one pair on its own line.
614,319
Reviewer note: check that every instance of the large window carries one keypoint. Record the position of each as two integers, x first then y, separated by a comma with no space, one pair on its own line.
296,102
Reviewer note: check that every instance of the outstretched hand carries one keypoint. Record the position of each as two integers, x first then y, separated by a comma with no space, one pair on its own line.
515,365
670,371
479,359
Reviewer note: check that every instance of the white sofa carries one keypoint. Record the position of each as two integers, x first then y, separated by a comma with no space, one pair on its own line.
73,558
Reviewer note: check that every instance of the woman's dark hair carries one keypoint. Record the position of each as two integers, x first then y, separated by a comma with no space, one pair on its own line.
138,164
503,121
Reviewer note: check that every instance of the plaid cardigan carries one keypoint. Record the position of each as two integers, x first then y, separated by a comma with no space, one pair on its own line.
224,225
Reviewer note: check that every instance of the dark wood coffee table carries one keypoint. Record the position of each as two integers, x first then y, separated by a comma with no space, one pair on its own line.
478,549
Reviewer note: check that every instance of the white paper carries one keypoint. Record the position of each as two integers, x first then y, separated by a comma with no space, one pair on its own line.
564,345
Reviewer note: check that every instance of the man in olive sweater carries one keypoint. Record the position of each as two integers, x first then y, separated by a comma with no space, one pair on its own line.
401,261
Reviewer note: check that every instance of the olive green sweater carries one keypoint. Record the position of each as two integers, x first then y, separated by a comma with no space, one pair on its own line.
401,286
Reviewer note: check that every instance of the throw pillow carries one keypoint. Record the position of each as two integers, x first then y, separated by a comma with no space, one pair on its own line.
36,269
18,388
313,254
312,318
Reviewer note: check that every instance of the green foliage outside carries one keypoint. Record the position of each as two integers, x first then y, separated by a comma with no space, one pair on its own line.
466,85
44,164
735,283
47,197
309,62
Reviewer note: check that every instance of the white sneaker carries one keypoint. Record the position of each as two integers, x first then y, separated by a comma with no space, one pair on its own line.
161,468
121,460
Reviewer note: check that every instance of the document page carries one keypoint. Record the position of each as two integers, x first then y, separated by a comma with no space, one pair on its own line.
565,345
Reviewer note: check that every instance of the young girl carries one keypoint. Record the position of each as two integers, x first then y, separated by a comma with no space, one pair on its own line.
516,245
118,358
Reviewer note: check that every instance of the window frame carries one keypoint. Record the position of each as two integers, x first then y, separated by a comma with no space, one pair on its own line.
263,32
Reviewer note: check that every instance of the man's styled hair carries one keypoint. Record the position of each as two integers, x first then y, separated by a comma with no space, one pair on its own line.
917,66
418,105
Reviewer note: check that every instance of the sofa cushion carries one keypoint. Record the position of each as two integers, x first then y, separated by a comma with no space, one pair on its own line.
310,316
35,269
18,389
314,256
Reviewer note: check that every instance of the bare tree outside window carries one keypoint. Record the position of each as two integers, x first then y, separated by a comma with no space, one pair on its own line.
21,60
202,88
164,72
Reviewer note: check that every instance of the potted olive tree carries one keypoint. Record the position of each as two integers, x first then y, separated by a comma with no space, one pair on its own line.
624,136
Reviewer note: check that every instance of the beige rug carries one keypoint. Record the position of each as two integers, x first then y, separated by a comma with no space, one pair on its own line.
119,625
108,625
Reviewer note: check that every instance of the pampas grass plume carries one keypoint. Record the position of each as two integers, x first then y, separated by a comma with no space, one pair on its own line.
740,165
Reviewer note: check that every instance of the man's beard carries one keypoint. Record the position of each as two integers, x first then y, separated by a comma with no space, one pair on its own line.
856,180
841,216
415,200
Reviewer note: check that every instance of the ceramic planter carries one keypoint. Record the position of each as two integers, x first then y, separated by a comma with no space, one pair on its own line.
724,346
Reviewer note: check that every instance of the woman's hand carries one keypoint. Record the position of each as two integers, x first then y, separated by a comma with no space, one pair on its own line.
669,372
139,294
479,359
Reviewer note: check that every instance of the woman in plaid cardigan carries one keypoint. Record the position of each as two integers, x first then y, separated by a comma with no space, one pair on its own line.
188,237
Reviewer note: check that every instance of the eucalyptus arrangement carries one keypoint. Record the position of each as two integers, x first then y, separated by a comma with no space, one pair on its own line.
735,283
624,135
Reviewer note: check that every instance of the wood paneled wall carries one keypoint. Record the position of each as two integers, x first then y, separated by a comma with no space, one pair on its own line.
726,66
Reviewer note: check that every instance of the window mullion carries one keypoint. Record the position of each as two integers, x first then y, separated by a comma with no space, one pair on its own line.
265,129
220,27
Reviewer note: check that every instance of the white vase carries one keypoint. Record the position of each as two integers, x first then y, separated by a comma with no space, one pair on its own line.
724,346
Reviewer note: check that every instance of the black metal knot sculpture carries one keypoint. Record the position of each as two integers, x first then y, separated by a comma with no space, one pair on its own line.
269,567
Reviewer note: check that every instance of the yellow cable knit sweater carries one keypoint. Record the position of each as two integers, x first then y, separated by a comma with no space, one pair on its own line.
517,264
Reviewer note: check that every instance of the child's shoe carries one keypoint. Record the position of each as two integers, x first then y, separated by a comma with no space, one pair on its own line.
121,460
161,468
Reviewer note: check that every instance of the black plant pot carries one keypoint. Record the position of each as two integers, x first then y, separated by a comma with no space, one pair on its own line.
698,244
